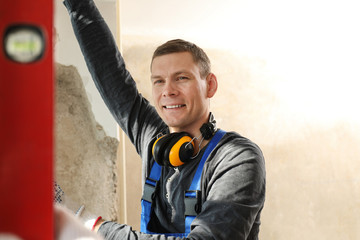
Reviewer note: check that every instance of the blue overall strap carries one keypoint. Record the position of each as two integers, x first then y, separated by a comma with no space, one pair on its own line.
148,194
195,185
146,201
193,195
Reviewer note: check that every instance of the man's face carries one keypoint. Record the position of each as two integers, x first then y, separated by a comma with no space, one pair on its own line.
180,95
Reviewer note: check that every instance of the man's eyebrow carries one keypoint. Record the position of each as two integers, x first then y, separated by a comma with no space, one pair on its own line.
174,74
155,77
182,72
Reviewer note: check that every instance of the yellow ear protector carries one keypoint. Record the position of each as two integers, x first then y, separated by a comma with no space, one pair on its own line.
175,149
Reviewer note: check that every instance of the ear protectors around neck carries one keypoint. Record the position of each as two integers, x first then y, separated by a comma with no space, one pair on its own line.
173,149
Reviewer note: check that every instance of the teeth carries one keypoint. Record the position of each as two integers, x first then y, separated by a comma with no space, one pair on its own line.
173,106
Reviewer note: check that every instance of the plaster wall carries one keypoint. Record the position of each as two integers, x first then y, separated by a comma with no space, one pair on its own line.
85,157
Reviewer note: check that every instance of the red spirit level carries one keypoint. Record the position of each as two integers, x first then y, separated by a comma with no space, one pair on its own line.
26,119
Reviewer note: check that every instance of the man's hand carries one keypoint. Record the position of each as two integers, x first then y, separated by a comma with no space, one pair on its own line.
67,226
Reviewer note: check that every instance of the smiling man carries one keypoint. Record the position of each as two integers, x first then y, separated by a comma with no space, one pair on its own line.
200,182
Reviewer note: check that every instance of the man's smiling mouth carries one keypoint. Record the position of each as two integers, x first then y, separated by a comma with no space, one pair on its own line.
174,106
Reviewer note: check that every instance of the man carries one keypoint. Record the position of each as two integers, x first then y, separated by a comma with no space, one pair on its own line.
216,192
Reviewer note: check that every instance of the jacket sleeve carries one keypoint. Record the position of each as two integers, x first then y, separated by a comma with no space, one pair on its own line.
115,231
108,70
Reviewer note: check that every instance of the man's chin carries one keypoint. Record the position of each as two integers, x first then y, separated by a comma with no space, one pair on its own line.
174,126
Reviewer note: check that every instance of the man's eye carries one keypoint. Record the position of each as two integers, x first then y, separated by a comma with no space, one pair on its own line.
158,81
182,78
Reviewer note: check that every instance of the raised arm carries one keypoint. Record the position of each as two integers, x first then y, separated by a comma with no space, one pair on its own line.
107,68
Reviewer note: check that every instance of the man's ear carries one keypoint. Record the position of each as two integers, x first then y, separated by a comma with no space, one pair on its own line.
212,85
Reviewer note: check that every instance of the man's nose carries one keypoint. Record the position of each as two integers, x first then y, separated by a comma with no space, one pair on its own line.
170,89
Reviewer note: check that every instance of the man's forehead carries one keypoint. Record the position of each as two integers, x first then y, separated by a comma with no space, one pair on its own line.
175,56
174,62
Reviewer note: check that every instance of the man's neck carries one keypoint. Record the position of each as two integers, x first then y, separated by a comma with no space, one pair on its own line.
198,139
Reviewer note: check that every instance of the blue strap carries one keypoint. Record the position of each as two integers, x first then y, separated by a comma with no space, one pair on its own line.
155,172
195,185
154,176
145,215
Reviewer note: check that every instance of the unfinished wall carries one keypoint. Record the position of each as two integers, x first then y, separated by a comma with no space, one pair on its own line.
85,155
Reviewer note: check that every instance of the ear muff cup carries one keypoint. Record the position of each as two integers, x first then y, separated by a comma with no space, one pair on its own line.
179,150
158,150
173,149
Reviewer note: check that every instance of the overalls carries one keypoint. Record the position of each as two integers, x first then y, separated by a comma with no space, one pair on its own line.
192,196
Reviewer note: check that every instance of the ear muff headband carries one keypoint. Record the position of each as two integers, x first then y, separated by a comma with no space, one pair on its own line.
175,159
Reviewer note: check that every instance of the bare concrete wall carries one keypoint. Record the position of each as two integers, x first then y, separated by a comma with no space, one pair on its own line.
85,155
